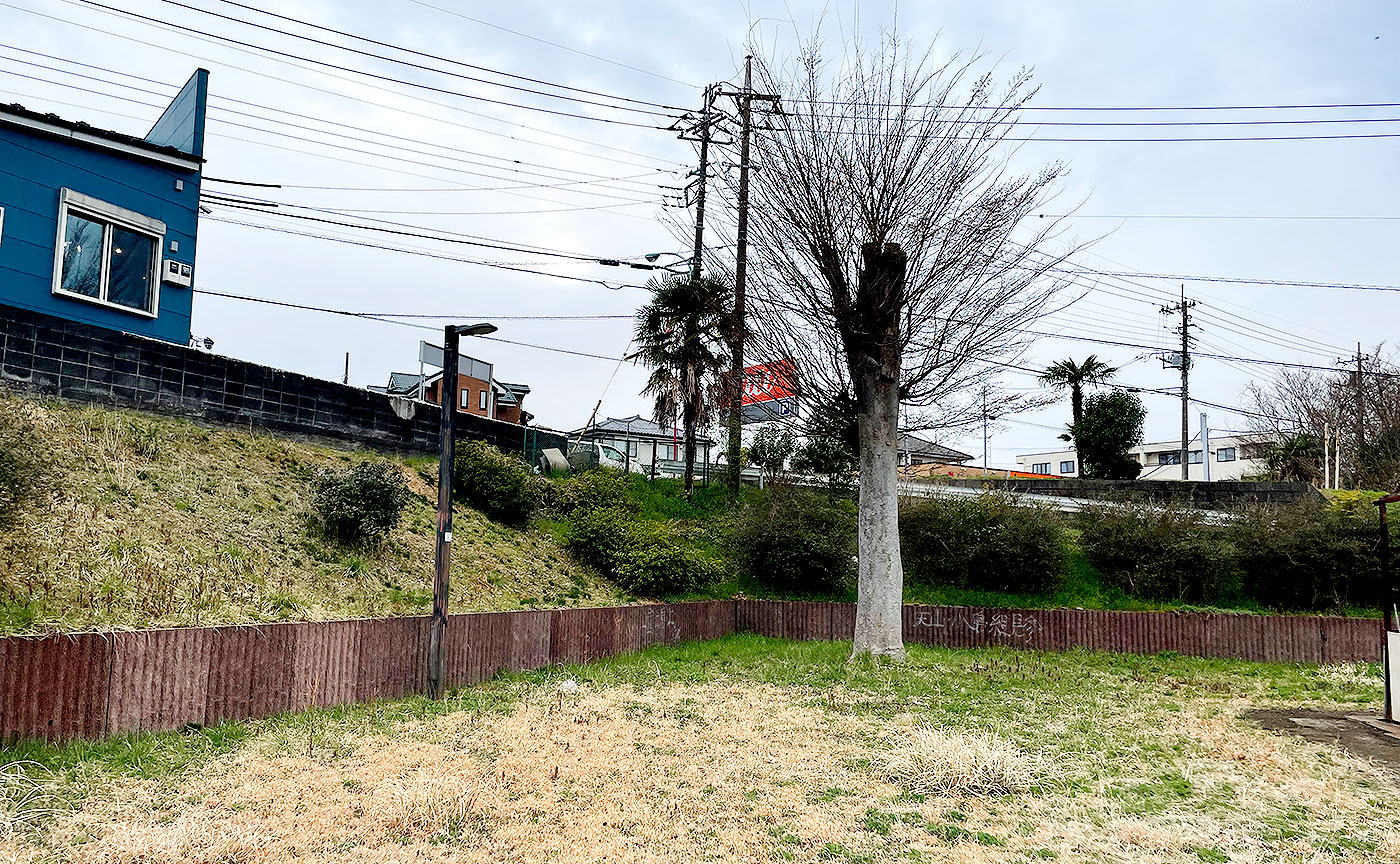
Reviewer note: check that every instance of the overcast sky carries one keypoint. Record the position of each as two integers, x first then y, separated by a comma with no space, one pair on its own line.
603,180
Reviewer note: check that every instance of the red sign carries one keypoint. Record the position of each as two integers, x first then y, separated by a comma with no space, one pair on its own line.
770,391
768,382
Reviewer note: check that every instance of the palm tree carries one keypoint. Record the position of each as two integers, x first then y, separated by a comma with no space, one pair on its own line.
681,336
1076,376
1297,457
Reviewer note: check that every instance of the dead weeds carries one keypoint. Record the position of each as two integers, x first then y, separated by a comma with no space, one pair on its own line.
726,771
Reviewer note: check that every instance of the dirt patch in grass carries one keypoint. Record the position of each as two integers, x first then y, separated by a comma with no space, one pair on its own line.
730,770
1357,734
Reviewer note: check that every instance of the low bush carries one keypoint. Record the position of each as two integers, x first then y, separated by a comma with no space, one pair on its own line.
987,543
598,489
795,539
648,558
1307,557
1159,553
499,485
26,471
361,502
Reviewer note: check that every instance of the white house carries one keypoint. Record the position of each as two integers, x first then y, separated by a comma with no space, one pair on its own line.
643,441
1233,455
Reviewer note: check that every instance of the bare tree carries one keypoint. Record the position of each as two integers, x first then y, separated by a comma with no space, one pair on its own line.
1362,417
892,262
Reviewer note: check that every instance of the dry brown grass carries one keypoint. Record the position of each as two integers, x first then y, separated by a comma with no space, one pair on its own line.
159,522
689,773
930,761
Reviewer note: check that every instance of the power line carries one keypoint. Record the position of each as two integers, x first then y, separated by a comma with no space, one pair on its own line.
425,54
421,253
1219,216
406,315
1040,139
388,78
1177,277
202,59
1254,107
1131,124
323,156
456,237
553,44
510,160
564,185
384,320
1255,360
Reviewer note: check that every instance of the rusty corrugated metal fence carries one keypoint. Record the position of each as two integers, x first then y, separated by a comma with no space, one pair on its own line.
93,685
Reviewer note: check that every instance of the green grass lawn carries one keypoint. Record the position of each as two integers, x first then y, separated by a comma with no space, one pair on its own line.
158,521
754,748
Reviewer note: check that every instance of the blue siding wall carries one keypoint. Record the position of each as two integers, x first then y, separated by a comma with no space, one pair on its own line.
33,168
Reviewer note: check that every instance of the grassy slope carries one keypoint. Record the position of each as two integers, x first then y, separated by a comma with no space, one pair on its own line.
1135,759
159,521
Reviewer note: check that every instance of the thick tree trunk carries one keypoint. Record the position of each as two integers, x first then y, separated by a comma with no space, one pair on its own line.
874,351
879,610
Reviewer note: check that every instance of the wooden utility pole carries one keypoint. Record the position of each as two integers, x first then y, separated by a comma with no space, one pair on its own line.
1184,309
745,100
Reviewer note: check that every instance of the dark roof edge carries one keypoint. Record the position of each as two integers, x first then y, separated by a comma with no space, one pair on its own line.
83,134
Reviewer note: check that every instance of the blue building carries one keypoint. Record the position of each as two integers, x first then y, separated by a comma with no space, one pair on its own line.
100,227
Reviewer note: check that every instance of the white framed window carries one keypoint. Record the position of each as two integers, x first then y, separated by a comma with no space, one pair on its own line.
1067,467
1040,467
482,399
107,255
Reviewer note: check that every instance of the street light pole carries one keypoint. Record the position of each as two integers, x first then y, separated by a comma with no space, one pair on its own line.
442,553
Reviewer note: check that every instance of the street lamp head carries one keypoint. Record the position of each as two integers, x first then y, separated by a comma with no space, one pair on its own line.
652,256
482,329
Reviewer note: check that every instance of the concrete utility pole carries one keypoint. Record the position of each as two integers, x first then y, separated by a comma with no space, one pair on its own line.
1360,417
745,100
442,552
1184,309
1358,383
985,420
1205,448
702,129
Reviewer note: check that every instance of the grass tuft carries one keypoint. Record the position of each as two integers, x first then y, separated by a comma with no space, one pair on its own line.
930,761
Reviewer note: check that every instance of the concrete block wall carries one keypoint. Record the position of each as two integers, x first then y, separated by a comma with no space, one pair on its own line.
77,361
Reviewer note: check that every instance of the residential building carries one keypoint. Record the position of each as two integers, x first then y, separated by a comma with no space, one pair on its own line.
1233,456
914,450
510,402
401,384
100,227
477,391
644,441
